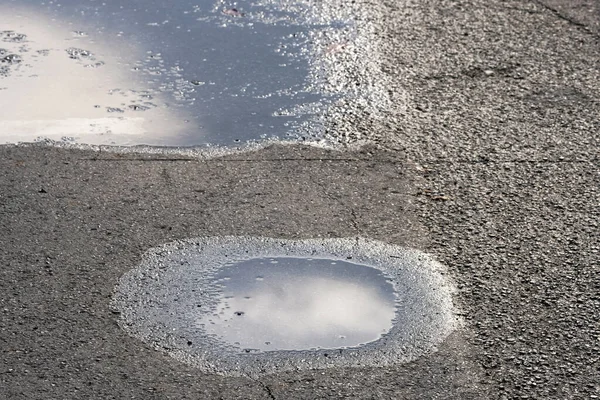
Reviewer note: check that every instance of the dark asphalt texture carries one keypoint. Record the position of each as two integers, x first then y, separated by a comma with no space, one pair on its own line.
490,164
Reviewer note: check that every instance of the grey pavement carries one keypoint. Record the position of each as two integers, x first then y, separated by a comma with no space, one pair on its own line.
488,161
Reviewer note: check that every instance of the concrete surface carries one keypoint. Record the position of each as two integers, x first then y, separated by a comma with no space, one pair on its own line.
492,167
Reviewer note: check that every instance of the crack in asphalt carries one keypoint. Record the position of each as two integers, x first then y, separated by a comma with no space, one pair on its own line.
238,160
264,386
566,18
269,392
354,222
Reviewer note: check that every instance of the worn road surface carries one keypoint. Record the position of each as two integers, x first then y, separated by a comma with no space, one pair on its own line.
489,163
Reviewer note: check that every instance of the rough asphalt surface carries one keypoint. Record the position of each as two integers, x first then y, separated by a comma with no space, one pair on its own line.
491,166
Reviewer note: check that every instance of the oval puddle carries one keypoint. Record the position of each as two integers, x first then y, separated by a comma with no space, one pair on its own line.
246,306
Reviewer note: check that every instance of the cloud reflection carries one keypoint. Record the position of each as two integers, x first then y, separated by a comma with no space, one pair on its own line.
68,86
291,311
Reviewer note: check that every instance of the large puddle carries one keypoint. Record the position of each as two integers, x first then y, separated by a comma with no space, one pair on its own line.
182,73
252,306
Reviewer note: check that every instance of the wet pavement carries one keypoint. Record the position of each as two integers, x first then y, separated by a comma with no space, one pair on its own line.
489,163
185,74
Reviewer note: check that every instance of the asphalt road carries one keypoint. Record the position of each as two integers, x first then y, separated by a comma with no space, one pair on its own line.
490,163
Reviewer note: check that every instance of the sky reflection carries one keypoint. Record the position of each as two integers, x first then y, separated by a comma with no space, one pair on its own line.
68,86
295,303
150,73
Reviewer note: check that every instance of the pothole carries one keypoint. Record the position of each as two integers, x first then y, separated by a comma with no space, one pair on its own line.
252,306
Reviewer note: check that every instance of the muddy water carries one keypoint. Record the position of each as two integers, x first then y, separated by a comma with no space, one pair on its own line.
150,72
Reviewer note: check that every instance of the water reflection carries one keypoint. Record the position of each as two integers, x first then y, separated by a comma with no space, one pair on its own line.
177,300
297,303
69,87
148,72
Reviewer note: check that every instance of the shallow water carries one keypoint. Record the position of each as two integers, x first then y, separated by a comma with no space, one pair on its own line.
287,303
215,302
156,73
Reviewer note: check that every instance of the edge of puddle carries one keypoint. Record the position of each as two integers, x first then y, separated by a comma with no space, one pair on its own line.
192,152
143,293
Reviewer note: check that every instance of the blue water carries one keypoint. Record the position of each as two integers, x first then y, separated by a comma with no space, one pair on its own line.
211,72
